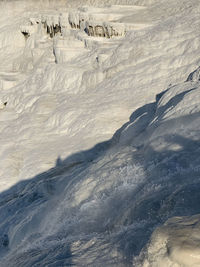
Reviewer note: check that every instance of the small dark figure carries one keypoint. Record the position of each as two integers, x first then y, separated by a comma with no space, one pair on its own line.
4,241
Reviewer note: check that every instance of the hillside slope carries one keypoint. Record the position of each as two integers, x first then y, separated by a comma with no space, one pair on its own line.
101,205
99,137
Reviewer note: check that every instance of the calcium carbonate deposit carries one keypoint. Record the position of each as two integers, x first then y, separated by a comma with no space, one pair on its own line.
100,133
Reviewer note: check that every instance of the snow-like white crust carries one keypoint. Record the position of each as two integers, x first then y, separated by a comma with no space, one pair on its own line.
102,22
68,195
175,244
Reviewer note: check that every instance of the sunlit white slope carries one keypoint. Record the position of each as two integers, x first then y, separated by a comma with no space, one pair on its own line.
176,243
55,109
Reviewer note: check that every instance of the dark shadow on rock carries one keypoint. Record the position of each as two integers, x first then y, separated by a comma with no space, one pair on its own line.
194,76
170,188
32,194
139,120
174,101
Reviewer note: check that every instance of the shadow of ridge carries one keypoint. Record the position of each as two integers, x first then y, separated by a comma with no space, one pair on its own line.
174,101
61,166
15,203
42,187
88,156
170,188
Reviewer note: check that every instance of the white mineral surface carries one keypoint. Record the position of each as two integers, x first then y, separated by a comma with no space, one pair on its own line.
100,133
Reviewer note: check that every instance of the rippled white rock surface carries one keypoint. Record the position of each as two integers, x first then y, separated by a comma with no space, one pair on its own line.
176,243
99,136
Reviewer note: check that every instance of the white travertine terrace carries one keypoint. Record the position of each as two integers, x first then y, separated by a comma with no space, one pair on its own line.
175,244
103,22
65,49
67,196
96,22
76,30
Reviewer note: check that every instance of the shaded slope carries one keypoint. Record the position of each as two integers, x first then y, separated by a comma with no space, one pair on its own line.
100,206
